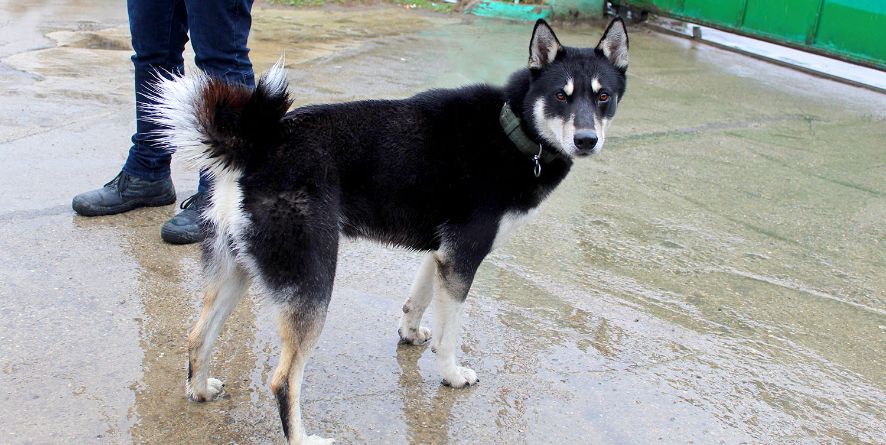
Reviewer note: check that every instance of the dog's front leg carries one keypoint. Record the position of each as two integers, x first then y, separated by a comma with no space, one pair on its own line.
411,331
454,277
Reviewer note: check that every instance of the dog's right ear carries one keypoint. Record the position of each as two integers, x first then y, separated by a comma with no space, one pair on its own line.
544,46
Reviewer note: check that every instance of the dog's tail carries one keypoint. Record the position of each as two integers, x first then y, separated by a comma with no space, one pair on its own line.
215,125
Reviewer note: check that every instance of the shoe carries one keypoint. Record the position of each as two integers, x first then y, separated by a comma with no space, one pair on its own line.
184,228
123,194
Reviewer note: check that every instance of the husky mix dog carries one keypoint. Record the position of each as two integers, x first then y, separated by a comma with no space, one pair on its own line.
447,172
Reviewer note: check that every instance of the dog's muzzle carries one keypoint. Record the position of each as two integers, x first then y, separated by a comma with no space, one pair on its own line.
585,140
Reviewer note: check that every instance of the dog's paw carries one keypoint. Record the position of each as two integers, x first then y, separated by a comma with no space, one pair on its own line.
414,336
316,440
212,390
461,377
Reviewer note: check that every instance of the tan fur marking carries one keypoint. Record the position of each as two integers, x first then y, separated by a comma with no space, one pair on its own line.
287,354
195,337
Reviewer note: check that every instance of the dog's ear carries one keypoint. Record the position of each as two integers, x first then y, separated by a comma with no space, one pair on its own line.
614,44
544,46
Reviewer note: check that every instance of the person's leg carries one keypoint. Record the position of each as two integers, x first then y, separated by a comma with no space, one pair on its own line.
159,33
203,185
219,31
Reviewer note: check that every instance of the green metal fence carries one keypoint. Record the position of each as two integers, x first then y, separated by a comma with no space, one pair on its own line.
852,30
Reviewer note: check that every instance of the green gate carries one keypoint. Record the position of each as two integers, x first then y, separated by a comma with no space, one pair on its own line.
852,30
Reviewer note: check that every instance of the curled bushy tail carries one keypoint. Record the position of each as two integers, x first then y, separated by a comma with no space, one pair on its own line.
215,125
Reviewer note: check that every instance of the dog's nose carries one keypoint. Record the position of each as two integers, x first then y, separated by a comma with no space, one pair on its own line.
585,139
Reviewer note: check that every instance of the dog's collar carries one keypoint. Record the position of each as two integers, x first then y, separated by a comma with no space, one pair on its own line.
510,123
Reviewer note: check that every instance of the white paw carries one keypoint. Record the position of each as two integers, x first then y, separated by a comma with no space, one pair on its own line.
316,440
213,388
414,336
460,377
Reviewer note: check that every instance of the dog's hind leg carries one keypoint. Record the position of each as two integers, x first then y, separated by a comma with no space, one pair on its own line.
301,277
420,295
224,290
300,327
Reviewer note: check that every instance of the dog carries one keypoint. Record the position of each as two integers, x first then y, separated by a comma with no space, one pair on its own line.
450,172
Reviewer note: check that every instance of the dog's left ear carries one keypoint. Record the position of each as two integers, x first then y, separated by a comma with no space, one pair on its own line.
614,44
544,46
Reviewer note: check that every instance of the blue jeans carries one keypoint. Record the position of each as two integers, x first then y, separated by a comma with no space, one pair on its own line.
219,30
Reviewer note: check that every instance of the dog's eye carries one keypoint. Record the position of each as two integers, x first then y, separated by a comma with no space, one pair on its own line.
561,96
603,97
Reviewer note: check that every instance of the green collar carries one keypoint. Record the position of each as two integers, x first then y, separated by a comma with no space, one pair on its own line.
510,123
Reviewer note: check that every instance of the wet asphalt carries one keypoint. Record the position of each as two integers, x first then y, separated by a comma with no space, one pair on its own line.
715,276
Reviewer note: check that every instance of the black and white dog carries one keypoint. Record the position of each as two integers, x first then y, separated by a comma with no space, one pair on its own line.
449,172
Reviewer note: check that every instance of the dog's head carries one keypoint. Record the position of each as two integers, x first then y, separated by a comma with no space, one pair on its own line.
574,92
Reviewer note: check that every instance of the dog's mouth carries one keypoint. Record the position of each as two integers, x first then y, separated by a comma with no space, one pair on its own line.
596,149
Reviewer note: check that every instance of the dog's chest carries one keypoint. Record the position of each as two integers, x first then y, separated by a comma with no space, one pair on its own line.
509,223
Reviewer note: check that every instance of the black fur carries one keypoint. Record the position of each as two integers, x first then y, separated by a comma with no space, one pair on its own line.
434,172
408,173
282,397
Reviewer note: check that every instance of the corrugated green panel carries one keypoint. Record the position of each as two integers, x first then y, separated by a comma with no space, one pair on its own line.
793,20
849,29
854,26
726,12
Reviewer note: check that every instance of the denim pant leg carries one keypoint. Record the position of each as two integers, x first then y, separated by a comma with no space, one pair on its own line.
159,33
219,31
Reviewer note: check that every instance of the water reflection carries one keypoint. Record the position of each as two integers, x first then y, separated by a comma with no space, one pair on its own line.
425,412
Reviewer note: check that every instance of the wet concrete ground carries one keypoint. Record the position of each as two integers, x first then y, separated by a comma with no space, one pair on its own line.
716,276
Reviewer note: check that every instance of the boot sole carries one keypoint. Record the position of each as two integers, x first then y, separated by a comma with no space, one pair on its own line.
129,205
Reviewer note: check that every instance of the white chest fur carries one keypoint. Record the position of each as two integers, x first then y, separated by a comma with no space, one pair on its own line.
509,223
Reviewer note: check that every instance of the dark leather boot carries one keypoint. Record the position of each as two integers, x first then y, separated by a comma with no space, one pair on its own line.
123,194
184,228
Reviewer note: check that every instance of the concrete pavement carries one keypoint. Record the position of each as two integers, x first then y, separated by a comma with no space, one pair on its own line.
716,276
